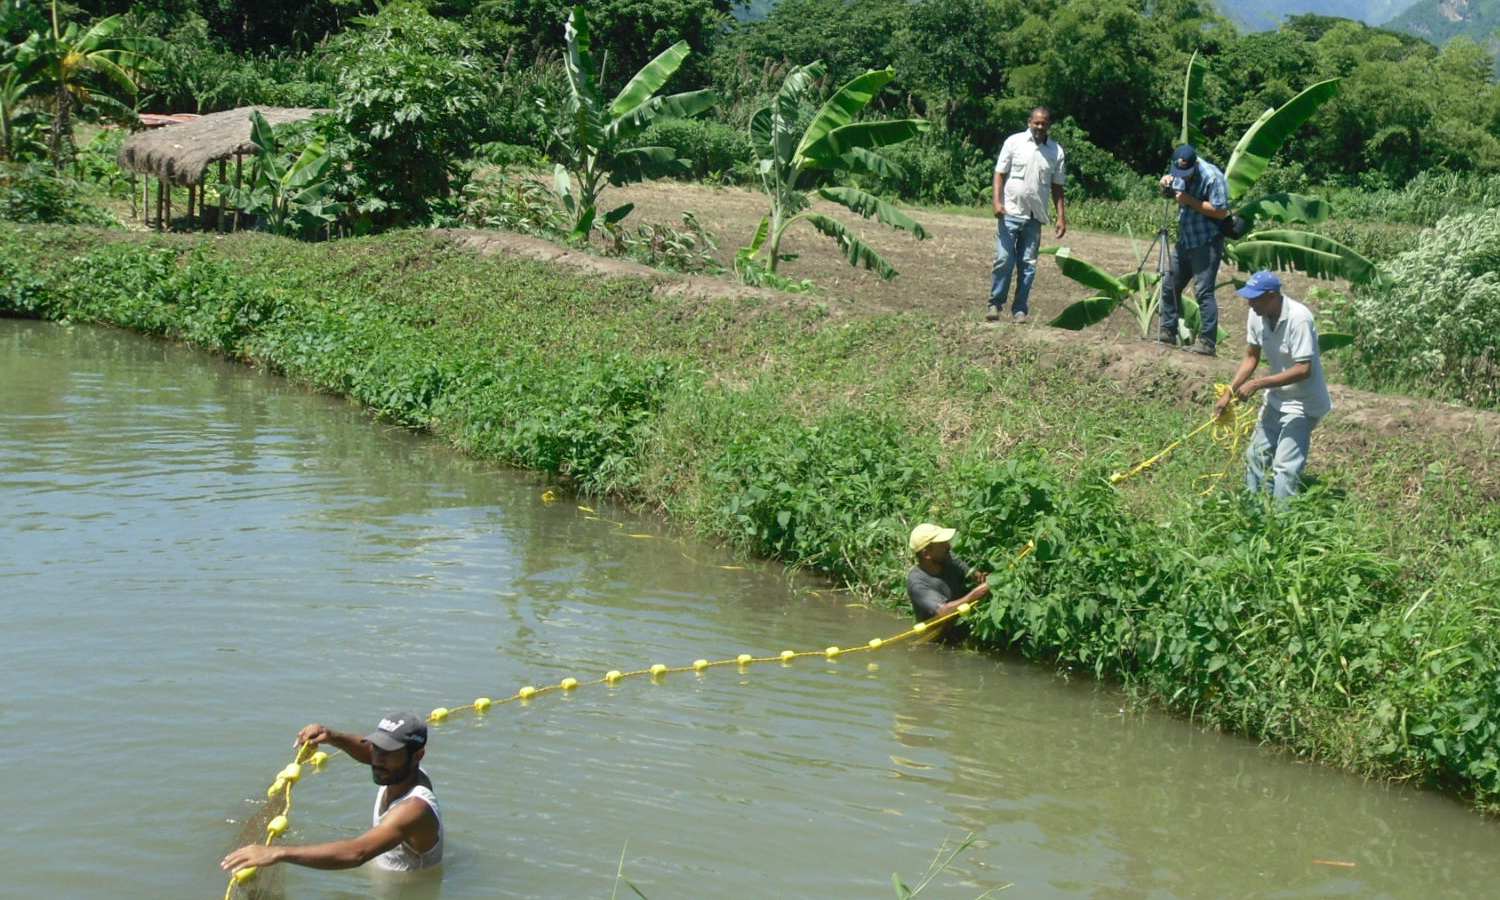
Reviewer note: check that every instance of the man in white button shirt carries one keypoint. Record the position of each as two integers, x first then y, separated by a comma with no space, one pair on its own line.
1297,398
1030,169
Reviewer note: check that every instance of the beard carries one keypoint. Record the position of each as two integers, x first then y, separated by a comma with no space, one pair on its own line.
385,777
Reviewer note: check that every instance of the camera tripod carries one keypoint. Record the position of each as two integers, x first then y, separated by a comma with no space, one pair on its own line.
1163,260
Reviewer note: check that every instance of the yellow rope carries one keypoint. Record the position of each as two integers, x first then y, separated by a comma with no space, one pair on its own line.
1229,431
289,776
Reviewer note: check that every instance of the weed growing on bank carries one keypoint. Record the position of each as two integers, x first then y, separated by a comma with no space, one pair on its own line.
1355,627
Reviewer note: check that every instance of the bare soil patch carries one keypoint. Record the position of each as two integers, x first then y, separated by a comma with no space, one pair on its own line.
948,276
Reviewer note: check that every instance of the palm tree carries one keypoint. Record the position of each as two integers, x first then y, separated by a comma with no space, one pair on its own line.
76,65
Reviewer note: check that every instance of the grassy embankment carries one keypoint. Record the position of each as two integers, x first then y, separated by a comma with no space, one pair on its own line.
1354,628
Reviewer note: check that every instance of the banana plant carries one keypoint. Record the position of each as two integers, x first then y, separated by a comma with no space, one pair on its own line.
1277,247
595,137
798,153
78,66
1139,292
291,194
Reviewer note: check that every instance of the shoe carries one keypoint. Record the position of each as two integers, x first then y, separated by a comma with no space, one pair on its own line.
1203,350
993,315
1019,318
1163,337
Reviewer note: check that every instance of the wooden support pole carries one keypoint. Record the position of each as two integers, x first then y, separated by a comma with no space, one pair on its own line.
238,172
219,225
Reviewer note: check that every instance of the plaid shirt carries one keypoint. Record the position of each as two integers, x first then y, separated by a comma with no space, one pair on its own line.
1194,229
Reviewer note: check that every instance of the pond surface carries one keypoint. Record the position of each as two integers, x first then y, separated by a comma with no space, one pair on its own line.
196,559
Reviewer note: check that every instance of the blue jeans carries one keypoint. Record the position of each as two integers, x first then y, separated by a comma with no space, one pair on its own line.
1281,438
1017,239
1201,264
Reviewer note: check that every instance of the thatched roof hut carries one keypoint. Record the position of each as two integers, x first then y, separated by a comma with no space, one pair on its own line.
180,154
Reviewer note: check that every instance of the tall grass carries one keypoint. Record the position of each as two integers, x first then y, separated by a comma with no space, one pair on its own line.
1430,326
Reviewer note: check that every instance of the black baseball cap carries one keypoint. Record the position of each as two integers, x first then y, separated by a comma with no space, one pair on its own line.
398,730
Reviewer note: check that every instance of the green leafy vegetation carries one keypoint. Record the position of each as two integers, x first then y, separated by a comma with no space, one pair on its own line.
595,138
798,146
1356,627
1439,339
288,186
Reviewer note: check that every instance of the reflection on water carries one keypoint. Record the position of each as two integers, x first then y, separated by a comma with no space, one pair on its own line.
196,560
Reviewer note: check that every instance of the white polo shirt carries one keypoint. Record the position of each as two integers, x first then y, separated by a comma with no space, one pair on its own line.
1030,170
1293,340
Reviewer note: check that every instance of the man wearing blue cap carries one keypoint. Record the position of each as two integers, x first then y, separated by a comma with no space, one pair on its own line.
1202,197
1297,398
406,833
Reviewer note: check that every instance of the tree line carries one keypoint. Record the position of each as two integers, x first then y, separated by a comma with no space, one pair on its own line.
1110,70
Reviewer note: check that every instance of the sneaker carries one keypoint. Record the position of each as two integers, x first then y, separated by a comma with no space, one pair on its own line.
1204,349
1165,337
1019,318
993,315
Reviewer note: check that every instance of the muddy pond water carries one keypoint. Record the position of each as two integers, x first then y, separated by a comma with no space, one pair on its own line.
196,559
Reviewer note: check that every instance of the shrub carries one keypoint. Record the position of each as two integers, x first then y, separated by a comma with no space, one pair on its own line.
713,151
35,192
937,167
409,103
1429,326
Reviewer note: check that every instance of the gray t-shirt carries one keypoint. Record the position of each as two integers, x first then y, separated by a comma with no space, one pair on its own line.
928,592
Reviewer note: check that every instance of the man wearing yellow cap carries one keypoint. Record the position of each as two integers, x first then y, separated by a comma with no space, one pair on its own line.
939,582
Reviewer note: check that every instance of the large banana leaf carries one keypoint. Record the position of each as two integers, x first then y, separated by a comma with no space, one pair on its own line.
760,128
1313,254
846,103
1333,340
855,250
673,106
1261,141
308,174
1192,103
686,104
780,137
828,151
1086,273
1084,313
868,205
861,161
649,80
1287,209
264,139
578,61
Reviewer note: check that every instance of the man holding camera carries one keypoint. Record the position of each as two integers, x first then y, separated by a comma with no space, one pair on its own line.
1202,197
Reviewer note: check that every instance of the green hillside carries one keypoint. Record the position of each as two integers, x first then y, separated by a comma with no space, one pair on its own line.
1439,21
1266,15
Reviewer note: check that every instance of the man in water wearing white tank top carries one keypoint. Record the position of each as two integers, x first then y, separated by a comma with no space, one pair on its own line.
407,833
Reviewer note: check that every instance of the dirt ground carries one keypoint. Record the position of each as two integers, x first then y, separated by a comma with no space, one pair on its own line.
948,276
